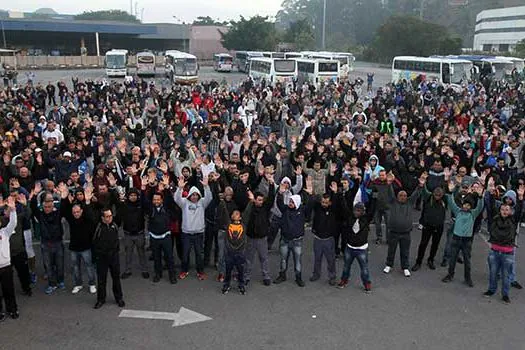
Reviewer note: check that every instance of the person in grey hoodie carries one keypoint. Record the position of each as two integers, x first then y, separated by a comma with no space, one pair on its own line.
400,226
193,224
276,217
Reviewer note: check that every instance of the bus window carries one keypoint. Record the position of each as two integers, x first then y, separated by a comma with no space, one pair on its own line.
445,73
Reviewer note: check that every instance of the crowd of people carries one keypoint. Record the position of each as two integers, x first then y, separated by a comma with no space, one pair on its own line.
231,172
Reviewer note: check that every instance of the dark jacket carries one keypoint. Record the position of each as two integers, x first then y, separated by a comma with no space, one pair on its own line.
503,231
235,238
360,238
380,194
259,220
159,218
224,211
17,240
293,220
433,212
50,224
325,220
105,240
132,216
82,229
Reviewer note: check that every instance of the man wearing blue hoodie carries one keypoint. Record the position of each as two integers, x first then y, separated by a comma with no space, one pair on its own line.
193,224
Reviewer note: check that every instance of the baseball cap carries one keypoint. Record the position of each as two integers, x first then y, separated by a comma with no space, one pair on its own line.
67,154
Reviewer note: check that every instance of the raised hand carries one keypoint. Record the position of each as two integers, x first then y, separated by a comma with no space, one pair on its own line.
422,181
451,187
270,178
204,181
251,197
181,182
144,181
282,188
333,187
298,170
88,178
166,180
112,180
38,187
88,194
21,198
64,191
11,204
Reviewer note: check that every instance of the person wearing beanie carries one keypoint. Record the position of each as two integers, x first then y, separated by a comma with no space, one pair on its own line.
130,209
356,231
292,232
462,232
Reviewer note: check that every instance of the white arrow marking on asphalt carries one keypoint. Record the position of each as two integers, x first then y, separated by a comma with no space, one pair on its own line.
181,318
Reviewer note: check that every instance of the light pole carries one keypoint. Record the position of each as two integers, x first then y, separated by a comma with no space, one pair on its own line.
323,41
3,34
183,40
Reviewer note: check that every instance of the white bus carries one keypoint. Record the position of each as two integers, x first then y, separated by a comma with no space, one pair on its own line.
293,55
273,70
222,62
242,59
269,54
350,61
181,67
444,70
146,64
317,71
116,63
344,61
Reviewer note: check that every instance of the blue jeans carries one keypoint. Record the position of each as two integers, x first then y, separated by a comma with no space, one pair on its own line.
197,242
500,264
294,247
362,258
53,254
76,270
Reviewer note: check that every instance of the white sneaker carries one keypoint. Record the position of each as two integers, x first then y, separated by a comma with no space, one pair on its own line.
76,289
387,269
92,289
406,272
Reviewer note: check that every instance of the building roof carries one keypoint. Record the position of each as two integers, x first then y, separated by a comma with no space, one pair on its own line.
145,31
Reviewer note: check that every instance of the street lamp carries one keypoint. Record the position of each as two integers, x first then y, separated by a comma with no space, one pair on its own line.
183,40
323,42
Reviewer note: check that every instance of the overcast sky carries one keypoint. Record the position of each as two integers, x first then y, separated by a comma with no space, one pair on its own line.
159,10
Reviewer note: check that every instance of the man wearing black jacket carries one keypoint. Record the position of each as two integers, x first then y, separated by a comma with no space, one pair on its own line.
257,233
106,252
432,219
159,230
324,228
356,234
131,213
84,223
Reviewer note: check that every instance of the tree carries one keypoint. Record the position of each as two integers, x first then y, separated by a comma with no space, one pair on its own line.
520,48
407,35
301,34
256,33
109,15
208,21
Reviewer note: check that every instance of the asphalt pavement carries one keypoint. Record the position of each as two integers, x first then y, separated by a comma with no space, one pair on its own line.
419,312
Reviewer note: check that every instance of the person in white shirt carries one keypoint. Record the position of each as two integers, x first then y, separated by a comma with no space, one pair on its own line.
51,131
6,271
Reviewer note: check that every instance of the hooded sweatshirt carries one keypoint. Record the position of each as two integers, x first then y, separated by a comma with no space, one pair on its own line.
288,193
374,173
464,224
193,214
293,219
5,234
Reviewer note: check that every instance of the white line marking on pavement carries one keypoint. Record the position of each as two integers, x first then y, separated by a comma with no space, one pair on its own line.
181,318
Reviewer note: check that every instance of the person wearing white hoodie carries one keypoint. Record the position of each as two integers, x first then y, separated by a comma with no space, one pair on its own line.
6,271
276,216
193,224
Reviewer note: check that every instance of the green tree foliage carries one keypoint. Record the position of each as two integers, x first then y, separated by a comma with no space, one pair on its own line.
256,33
109,15
208,21
520,49
301,34
408,35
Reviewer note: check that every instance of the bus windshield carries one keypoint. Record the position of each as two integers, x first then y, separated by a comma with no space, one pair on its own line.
116,61
145,59
461,73
284,66
342,60
328,67
186,66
